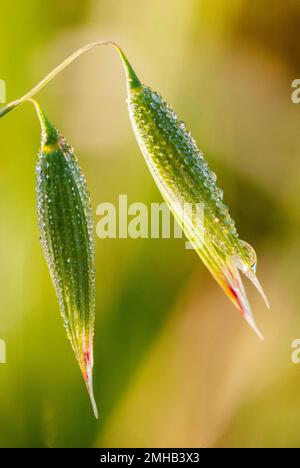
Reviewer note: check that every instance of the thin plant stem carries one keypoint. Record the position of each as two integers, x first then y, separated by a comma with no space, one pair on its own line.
129,71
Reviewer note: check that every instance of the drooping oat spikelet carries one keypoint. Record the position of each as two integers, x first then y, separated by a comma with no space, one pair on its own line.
66,231
183,176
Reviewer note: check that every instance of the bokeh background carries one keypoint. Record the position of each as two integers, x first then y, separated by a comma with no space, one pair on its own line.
175,365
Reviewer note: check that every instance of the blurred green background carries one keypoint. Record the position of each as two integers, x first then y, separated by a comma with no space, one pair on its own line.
175,365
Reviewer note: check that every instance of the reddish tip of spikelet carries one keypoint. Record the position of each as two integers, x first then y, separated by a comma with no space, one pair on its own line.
87,372
234,288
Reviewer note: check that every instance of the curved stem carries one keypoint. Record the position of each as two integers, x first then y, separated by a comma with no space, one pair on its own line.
130,74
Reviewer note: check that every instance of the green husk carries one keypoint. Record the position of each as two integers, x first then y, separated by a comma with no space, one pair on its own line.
183,177
66,233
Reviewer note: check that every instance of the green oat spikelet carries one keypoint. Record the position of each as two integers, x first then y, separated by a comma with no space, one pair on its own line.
183,176
67,238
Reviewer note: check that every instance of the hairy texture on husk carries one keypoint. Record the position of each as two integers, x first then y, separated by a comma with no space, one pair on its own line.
183,176
66,233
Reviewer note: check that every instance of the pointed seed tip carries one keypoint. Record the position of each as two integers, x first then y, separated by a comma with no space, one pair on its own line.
90,389
253,325
258,286
94,406
93,402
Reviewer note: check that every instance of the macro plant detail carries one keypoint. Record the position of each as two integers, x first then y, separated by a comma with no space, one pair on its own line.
182,176
67,238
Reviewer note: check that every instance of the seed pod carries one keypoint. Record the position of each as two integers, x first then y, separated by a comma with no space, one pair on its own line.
66,233
183,176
